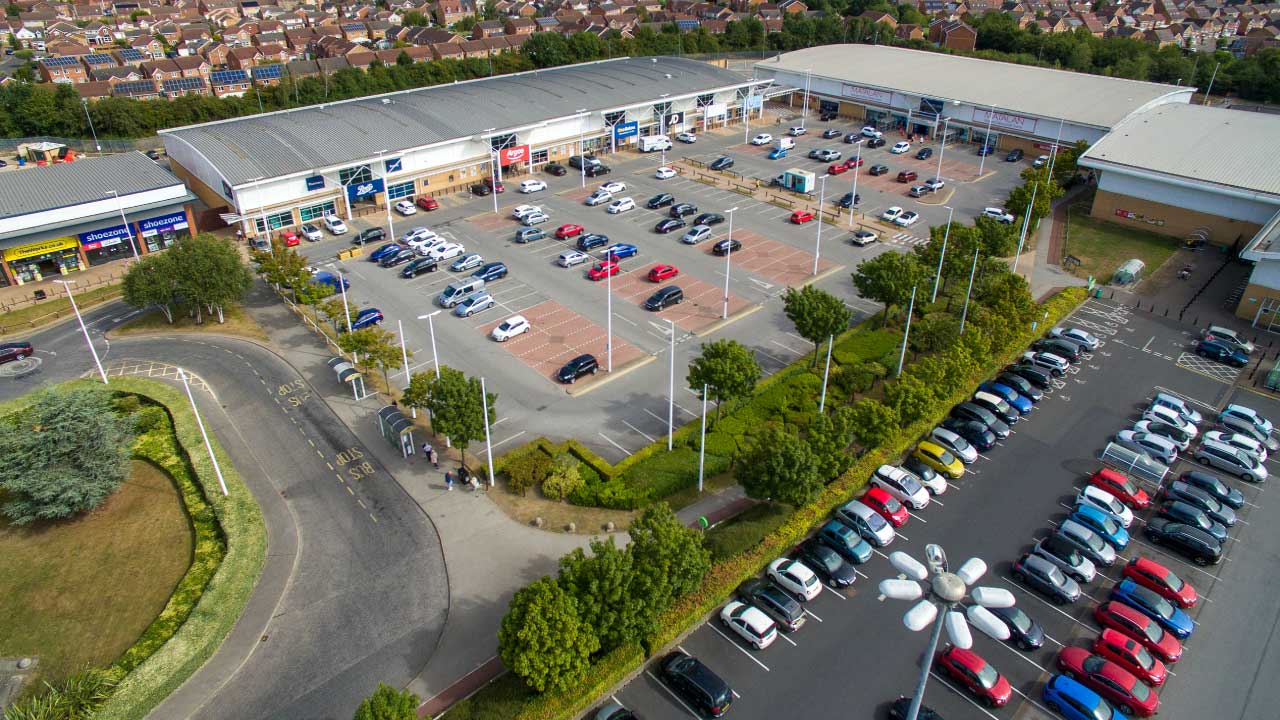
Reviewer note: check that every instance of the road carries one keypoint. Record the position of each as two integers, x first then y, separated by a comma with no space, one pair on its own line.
355,590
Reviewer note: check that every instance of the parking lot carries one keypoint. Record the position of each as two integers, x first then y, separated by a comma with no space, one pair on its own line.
854,656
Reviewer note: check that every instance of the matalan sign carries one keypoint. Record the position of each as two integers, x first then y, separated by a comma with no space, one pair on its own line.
513,155
1000,119
884,97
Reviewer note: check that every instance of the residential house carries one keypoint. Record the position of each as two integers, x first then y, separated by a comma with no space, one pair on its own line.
440,51
63,70
487,29
161,69
519,26
266,75
93,90
243,58
355,32
953,34
69,49
909,31
273,53
216,54
229,83
148,46
172,89
115,75
448,12
141,90
876,16
193,66
96,61
793,7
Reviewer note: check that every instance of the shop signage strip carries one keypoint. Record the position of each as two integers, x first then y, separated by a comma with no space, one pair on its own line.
857,92
40,248
622,131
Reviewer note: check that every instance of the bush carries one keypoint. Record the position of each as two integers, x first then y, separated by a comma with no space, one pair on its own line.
746,530
862,346
388,703
149,418
528,470
731,425
722,444
563,479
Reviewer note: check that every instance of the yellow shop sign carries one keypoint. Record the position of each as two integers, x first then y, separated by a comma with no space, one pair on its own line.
41,248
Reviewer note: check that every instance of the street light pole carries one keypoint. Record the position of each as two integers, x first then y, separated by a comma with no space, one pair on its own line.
942,148
972,271
488,443
133,244
857,165
728,251
671,388
817,248
746,117
92,350
404,359
1053,154
804,115
1026,222
346,309
986,139
217,470
386,190
582,154
702,444
97,145
826,373
431,329
906,334
941,256
608,303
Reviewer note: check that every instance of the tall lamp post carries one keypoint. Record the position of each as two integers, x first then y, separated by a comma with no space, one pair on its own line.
386,190
986,140
217,469
488,442
728,251
964,315
582,155
92,350
817,247
942,149
945,599
942,256
133,243
804,114
431,330
97,145
1026,223
671,388
608,308
857,165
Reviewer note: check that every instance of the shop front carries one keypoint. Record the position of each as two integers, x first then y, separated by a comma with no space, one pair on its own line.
163,231
41,260
111,243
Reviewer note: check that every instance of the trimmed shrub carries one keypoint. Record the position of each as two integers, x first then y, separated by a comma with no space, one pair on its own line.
723,444
862,346
528,470
563,478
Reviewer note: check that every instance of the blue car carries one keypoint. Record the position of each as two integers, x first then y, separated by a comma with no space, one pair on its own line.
1019,402
846,541
1222,352
1074,701
777,153
1101,523
491,271
324,277
367,317
1147,602
619,251
385,251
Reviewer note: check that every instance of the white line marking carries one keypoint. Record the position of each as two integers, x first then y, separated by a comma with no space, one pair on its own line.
513,437
740,649
606,439
643,434
815,617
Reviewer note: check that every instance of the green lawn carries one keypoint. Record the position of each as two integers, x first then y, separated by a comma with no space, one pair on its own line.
34,315
235,322
78,593
1103,246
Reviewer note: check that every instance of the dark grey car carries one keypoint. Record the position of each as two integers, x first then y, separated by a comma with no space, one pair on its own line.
1202,500
1044,577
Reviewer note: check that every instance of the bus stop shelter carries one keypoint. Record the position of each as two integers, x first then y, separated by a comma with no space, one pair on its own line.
396,429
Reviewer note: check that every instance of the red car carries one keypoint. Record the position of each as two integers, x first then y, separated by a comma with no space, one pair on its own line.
568,230
1120,485
845,166
603,269
1128,621
494,186
658,273
801,217
290,238
1130,655
1115,684
907,176
14,351
427,203
885,505
1161,580
976,675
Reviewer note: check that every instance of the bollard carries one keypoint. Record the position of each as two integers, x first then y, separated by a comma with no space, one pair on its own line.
1166,311
1197,321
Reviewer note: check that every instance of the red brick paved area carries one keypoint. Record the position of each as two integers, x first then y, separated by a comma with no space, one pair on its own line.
703,302
777,260
560,334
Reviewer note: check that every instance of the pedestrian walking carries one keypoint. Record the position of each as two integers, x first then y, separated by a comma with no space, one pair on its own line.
435,459
448,480
426,451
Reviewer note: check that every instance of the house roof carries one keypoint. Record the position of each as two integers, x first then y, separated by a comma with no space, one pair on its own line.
334,134
1021,89
88,179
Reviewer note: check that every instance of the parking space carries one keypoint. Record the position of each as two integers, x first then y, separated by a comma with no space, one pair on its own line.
703,303
557,335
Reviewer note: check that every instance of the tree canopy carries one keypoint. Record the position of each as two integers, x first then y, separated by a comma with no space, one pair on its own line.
781,467
202,273
817,314
728,369
542,638
388,703
454,402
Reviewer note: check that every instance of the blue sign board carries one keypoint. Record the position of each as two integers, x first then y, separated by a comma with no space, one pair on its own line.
164,223
363,190
105,237
393,165
315,182
622,131
755,102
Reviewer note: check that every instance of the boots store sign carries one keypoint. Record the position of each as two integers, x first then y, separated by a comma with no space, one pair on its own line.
359,191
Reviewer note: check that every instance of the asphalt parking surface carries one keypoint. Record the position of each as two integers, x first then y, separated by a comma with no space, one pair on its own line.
854,657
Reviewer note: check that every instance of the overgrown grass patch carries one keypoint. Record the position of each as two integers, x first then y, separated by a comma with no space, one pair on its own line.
746,530
1103,247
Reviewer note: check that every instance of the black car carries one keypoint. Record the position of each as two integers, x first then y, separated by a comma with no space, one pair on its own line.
977,413
848,200
1187,514
973,431
696,684
594,240
820,558
480,190
1044,577
667,225
14,351
368,235
1014,155
1032,374
1064,349
577,367
1023,631
1201,500
917,467
721,163
708,219
660,200
878,169
1196,545
774,602
419,265
1021,385
1219,490
665,297
682,209
726,246
831,133
399,257
153,155
924,154
900,707
853,137
598,170
555,169
491,271
876,142
828,116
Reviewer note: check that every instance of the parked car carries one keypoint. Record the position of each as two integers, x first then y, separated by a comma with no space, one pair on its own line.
1239,440
777,153
529,234
900,147
1178,405
369,235
1161,580
956,445
1094,496
1130,655
1075,335
680,210
1248,415
290,238
1183,512
334,224
902,485
999,214
603,269
1024,387
405,207
658,273
664,298
708,219
1024,632
367,317
1014,155
726,246
1067,557
311,232
762,139
660,200
863,238
749,623
592,241
907,176
599,197
696,684
1040,161
824,154
1088,542
975,433
975,675
384,251
491,271
1074,701
478,302
827,563
1121,487
687,137
620,251
721,163
794,577
901,707
1022,404
1228,496
417,266
907,219
1044,577
427,203
924,153
796,131
555,169
667,225
481,190
974,412
1231,460
11,351
772,601
664,173
1133,624
1200,500
848,200
830,132
939,459
1157,608
532,186
1156,446
885,505
1068,350
800,217
1169,417
1115,684
467,262
868,523
511,327
1103,523
996,406
399,256
573,257
577,367
891,213
1055,364
878,170
1180,439
1038,376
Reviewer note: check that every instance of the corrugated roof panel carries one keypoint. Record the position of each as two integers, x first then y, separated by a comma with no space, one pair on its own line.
88,179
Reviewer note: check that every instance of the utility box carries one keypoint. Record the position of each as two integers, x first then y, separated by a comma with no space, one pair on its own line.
796,180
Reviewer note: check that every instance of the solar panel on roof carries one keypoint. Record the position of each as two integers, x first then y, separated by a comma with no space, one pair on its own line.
61,61
132,54
135,88
228,77
687,24
99,58
268,72
183,84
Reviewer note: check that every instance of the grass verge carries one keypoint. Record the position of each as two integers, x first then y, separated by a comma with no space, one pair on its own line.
1103,246
43,313
236,322
744,531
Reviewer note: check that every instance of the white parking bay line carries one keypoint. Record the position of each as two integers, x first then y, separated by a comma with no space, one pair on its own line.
788,639
904,537
740,649
1046,603
611,442
1028,698
961,693
513,437
646,436
926,522
815,617
835,592
673,695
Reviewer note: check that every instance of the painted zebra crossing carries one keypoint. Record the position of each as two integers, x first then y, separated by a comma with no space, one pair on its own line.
905,238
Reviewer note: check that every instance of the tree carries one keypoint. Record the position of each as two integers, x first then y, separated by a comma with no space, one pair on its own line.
454,402
602,585
816,314
375,346
829,437
152,282
210,273
873,422
909,398
387,703
564,478
887,278
542,638
63,454
547,49
780,467
997,239
727,368
668,558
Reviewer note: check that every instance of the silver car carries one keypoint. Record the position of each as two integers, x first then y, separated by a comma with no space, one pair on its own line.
1157,446
956,444
1088,542
1067,557
1075,335
1232,460
478,302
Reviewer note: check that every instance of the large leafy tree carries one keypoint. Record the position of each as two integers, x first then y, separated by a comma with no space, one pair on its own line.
376,347
542,638
63,454
873,422
454,402
909,398
210,273
388,703
829,437
780,467
887,278
816,314
603,585
152,282
669,558
727,368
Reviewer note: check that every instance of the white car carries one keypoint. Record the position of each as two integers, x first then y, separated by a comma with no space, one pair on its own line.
1157,446
762,139
891,214
535,218
796,131
863,238
311,232
750,624
1095,496
1077,336
445,251
404,207
1182,443
932,480
665,173
614,187
520,211
907,219
999,214
900,147
1040,161
902,485
956,444
621,205
573,257
334,224
417,237
868,131
511,327
796,578
687,137
1238,440
1178,405
935,184
532,186
1169,417
599,197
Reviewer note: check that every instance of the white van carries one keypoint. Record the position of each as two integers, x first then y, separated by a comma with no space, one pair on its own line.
654,143
457,291
786,143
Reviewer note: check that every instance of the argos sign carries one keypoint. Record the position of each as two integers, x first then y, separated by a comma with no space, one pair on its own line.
513,155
